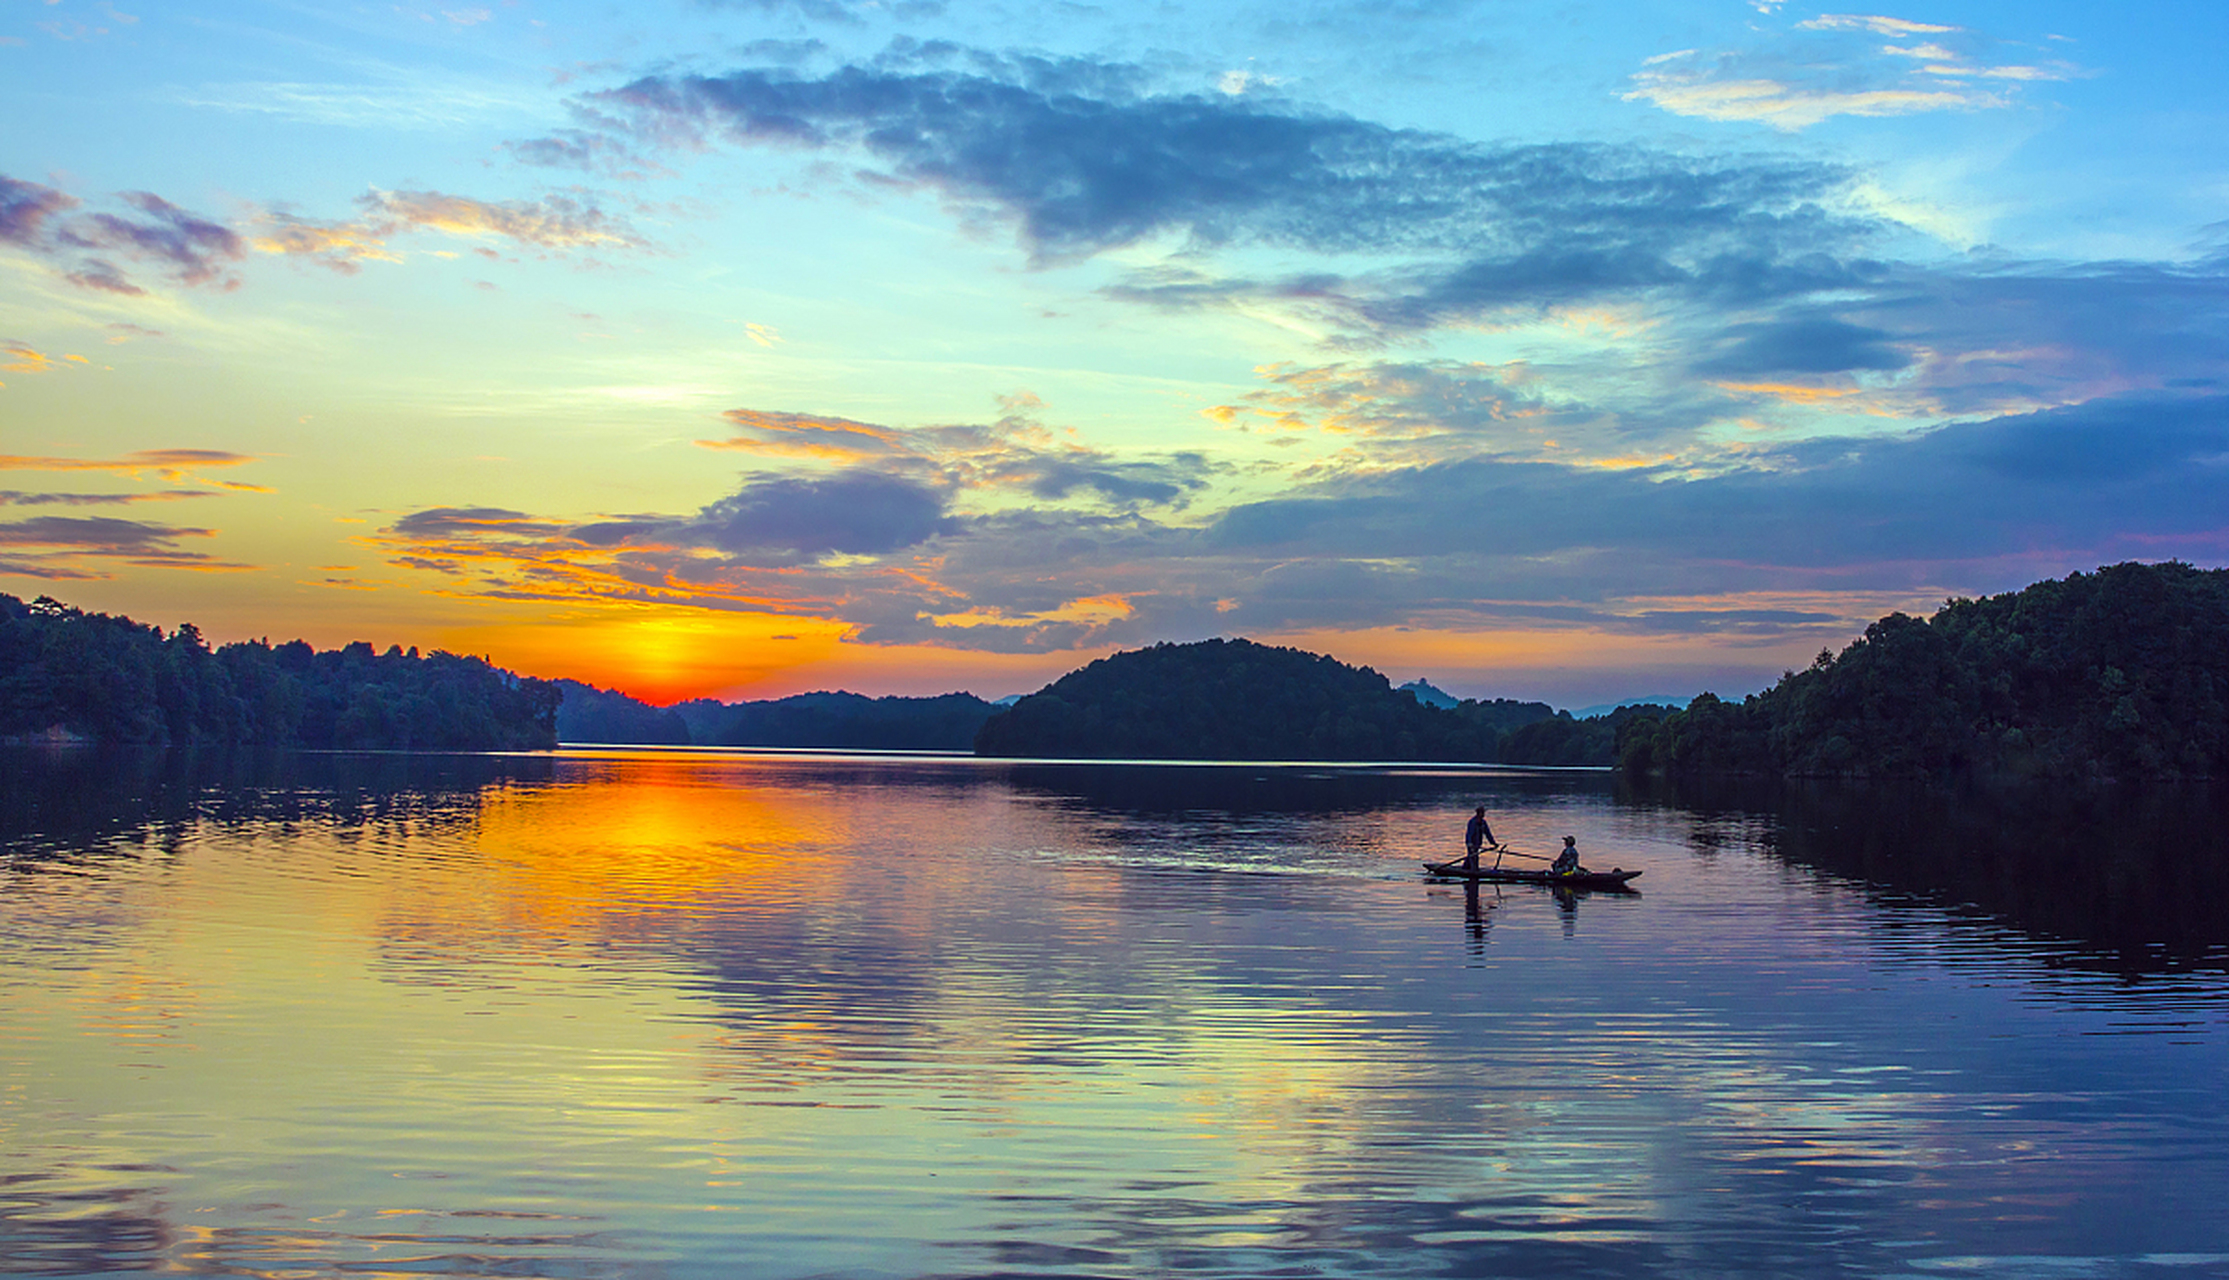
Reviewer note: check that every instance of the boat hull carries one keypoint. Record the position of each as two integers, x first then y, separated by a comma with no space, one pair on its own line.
1611,880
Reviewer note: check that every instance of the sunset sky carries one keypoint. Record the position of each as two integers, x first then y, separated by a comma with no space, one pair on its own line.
1572,351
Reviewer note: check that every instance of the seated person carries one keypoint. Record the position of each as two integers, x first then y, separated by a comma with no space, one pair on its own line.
1567,862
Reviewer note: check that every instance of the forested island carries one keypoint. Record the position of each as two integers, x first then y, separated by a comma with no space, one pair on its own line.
68,675
1238,700
2122,673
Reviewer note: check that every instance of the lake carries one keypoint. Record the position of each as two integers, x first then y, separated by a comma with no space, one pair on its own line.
697,1014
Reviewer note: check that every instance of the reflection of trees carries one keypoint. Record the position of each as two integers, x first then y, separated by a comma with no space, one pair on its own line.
2138,877
1176,789
75,802
51,1228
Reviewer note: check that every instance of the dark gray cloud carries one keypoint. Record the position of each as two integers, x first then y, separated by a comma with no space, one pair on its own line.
2109,478
1819,344
93,532
853,514
1163,483
1996,333
54,546
443,522
1082,162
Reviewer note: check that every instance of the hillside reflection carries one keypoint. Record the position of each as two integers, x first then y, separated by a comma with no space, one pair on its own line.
2137,877
73,802
1162,789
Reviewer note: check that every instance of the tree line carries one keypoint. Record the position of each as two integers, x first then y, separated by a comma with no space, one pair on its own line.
2121,673
67,674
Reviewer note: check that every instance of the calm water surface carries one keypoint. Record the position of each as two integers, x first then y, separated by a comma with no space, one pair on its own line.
681,1015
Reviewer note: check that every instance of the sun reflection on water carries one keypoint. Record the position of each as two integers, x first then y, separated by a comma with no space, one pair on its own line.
802,1016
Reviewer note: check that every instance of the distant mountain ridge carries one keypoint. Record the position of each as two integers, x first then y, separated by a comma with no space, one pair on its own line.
946,722
1430,695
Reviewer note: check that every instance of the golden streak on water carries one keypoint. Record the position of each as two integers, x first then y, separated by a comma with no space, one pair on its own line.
791,1016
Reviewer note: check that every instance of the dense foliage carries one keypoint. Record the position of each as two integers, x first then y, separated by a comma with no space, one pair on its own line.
947,722
1562,740
2119,673
588,714
70,674
1237,700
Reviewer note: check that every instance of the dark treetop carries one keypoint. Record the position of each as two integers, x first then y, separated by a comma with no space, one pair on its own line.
1237,700
2122,673
65,674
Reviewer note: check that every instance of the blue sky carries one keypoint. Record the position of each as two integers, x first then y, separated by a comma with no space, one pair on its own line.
1547,350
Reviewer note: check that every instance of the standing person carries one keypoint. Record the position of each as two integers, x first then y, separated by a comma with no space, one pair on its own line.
1567,862
1477,834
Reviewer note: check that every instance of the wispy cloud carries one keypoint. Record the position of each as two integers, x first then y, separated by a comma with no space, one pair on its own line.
171,464
147,228
1016,455
1877,25
26,208
73,547
20,498
389,99
22,357
554,223
1835,65
195,249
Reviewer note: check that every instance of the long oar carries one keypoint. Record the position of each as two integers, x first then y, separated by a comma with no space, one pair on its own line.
1504,851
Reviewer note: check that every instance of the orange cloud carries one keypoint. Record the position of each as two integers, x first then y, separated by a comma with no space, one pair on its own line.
1792,392
170,464
802,435
23,358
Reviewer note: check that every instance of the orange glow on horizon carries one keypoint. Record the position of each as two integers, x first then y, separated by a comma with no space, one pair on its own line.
663,657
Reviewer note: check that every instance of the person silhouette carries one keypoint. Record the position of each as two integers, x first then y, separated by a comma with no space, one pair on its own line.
1476,836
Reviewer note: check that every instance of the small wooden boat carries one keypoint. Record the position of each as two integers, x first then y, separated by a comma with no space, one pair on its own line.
1610,880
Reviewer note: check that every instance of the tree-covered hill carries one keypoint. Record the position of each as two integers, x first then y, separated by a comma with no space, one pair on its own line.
2122,673
69,674
1237,700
